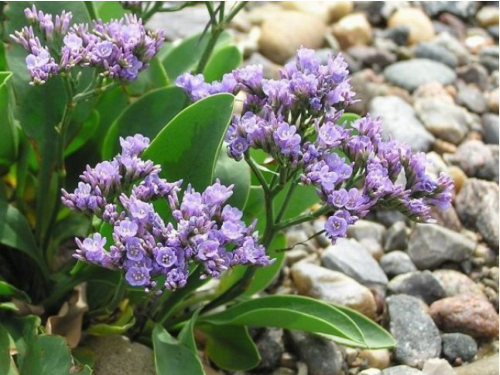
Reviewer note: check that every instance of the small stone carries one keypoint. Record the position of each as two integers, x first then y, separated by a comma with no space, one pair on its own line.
373,247
413,73
352,259
271,347
182,24
287,31
462,9
487,16
416,335
453,45
474,74
493,100
380,359
446,218
443,147
489,58
490,127
339,9
485,366
116,355
327,285
431,245
401,370
477,160
393,112
434,52
471,98
458,346
420,25
371,56
315,8
323,357
466,314
396,237
455,283
397,263
458,176
477,206
437,366
353,30
365,229
270,69
398,34
420,284
370,371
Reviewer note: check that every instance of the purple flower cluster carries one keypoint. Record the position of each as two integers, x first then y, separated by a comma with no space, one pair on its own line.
205,230
119,49
296,120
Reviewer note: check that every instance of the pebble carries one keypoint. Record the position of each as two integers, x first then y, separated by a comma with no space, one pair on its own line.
353,30
327,285
396,237
487,16
437,366
466,314
270,69
116,355
458,176
443,118
365,229
477,159
456,47
420,284
371,56
431,245
462,9
181,24
473,74
486,366
489,58
351,258
322,356
455,283
401,370
271,347
398,34
493,100
458,347
435,52
490,128
472,98
413,73
447,218
286,31
477,206
420,25
380,359
397,263
417,337
393,112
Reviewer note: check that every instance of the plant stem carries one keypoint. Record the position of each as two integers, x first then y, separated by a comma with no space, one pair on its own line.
303,218
289,195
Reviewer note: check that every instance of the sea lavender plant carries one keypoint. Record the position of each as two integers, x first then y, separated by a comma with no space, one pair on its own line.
296,121
205,230
119,49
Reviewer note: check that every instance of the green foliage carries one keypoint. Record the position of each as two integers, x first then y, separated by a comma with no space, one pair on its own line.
223,61
8,132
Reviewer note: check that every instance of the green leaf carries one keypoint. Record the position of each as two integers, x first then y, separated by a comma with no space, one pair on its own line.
303,198
21,332
153,77
185,56
106,10
147,116
111,105
230,171
225,60
7,290
231,347
8,133
255,203
122,324
16,233
7,366
348,118
47,355
188,147
173,357
89,128
186,335
375,336
292,312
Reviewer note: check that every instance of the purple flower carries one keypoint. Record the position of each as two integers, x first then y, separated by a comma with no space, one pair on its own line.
217,194
166,257
138,276
287,140
91,249
208,249
135,251
126,229
336,226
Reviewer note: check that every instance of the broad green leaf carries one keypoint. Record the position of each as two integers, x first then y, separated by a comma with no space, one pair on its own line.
225,60
147,116
255,203
188,147
186,335
375,336
231,347
348,118
185,56
47,355
110,106
88,130
173,357
16,233
8,133
303,198
230,171
154,77
106,10
21,332
7,290
291,312
124,322
7,366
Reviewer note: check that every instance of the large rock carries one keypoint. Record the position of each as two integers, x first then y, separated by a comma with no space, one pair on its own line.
351,258
287,31
397,263
477,159
431,245
477,205
421,29
116,355
443,118
413,73
417,337
353,30
327,285
323,357
400,122
458,347
420,284
466,314
455,283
